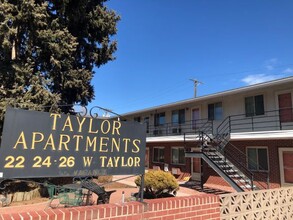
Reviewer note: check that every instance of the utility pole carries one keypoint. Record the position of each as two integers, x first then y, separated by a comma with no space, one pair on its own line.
196,83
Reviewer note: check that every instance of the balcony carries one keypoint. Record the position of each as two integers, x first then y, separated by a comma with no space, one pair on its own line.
172,129
276,120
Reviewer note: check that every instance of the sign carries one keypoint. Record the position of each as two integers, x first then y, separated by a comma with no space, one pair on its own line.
42,144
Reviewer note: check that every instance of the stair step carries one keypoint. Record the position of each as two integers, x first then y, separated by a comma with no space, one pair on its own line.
247,186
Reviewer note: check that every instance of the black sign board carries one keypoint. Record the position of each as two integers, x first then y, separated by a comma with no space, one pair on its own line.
41,144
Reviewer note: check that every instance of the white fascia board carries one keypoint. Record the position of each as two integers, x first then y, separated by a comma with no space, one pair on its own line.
262,135
179,138
257,135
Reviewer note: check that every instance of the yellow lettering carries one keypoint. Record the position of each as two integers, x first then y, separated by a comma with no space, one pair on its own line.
126,141
80,123
21,140
103,160
50,142
117,145
87,161
78,137
130,162
136,161
54,120
90,143
90,127
102,144
35,140
110,162
122,163
116,160
105,128
135,145
116,127
64,140
67,124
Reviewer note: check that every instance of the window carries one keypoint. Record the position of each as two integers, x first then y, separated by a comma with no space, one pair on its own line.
178,116
159,119
215,111
137,119
178,155
257,158
159,154
147,122
254,105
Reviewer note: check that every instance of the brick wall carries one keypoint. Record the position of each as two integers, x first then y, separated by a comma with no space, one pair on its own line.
191,207
211,177
273,154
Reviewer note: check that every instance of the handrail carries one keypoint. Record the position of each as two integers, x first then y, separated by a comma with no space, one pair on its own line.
235,160
270,119
167,129
280,119
248,174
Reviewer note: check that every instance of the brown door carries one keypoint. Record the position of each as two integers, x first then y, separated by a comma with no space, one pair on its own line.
288,166
285,106
195,117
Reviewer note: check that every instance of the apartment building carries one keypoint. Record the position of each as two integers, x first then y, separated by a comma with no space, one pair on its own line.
241,137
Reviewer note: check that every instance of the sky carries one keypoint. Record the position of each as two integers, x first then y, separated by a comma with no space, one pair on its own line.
162,44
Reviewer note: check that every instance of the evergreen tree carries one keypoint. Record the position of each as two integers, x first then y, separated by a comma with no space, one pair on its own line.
48,50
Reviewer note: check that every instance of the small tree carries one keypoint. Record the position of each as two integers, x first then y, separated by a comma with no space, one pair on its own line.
158,183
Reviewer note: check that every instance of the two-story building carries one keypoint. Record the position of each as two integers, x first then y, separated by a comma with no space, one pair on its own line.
242,137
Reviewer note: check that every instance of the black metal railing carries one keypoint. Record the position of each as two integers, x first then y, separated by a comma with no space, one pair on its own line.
242,161
281,119
238,157
220,155
189,127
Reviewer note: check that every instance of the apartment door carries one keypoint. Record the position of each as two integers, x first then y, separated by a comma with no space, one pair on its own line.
195,117
195,168
285,106
286,166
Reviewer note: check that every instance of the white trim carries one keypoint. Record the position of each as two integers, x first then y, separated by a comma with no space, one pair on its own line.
256,135
179,138
262,135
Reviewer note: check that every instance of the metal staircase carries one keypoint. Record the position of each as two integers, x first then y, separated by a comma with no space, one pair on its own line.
227,160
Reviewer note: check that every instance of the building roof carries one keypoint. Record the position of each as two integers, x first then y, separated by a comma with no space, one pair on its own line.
216,95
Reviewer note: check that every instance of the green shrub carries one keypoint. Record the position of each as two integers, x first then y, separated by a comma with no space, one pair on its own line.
158,183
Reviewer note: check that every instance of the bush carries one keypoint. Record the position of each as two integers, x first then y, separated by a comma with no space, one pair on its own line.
105,179
158,184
